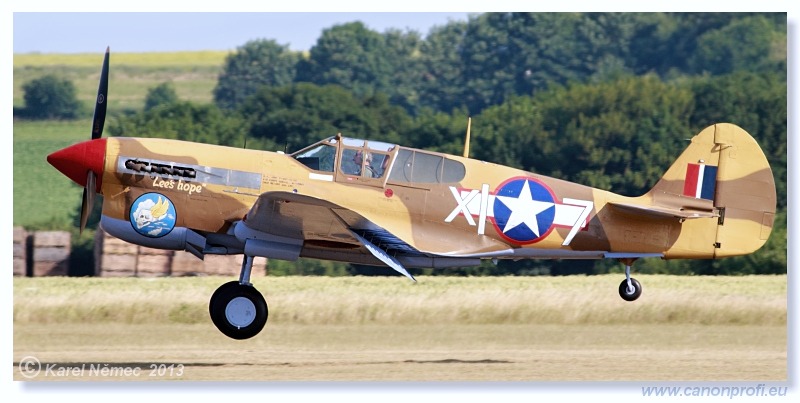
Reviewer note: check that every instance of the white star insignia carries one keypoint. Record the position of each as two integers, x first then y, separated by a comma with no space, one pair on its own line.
524,210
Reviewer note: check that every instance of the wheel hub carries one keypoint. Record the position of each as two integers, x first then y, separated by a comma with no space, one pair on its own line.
631,289
240,312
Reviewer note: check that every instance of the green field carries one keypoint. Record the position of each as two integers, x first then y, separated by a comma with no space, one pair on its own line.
43,197
390,329
193,74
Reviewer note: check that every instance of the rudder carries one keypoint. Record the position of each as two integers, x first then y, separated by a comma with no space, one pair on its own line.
745,194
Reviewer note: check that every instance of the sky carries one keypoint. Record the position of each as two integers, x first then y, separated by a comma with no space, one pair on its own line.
82,26
83,32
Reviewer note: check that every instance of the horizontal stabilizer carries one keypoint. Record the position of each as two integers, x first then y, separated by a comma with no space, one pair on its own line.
662,212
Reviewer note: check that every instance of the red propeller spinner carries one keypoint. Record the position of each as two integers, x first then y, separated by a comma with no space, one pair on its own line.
77,160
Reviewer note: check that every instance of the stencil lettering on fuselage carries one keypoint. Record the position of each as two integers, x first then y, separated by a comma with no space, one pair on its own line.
523,210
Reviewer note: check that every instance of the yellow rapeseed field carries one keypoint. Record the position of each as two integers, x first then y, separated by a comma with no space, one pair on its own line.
151,59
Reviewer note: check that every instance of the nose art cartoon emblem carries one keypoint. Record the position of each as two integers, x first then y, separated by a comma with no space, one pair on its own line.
153,215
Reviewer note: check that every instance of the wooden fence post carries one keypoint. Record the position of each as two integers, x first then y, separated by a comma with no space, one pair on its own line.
20,251
51,253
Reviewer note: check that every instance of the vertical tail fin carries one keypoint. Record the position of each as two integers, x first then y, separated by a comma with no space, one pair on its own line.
722,171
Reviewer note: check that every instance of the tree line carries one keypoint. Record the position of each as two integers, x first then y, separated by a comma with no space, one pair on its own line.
603,99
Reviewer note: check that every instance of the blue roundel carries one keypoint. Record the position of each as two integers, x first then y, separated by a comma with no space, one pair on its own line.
524,210
153,215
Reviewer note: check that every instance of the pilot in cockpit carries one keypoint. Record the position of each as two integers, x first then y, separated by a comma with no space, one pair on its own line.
369,170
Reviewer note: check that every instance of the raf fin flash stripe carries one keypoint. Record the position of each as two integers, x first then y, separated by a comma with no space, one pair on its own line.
701,181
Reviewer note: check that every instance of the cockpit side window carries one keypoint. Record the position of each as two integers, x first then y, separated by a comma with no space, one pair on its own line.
319,158
349,164
420,167
358,162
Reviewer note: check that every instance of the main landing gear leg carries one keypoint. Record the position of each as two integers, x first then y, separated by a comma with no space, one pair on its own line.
629,289
237,309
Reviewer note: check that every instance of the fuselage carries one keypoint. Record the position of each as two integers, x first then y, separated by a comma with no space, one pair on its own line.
454,206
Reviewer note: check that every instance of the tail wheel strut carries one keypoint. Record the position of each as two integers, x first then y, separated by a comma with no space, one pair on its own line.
629,289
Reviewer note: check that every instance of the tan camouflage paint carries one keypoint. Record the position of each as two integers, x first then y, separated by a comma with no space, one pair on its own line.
292,202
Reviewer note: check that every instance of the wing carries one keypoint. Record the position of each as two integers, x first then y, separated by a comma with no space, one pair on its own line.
331,232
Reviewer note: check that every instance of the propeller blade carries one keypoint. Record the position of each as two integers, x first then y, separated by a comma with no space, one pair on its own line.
88,199
102,97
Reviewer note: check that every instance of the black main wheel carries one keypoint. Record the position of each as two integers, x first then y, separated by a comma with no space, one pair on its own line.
238,311
626,293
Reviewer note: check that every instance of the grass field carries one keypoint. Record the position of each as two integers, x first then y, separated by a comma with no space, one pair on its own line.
747,300
445,329
43,197
193,74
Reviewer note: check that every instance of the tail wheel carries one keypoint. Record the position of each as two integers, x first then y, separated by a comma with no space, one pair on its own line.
630,292
238,311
